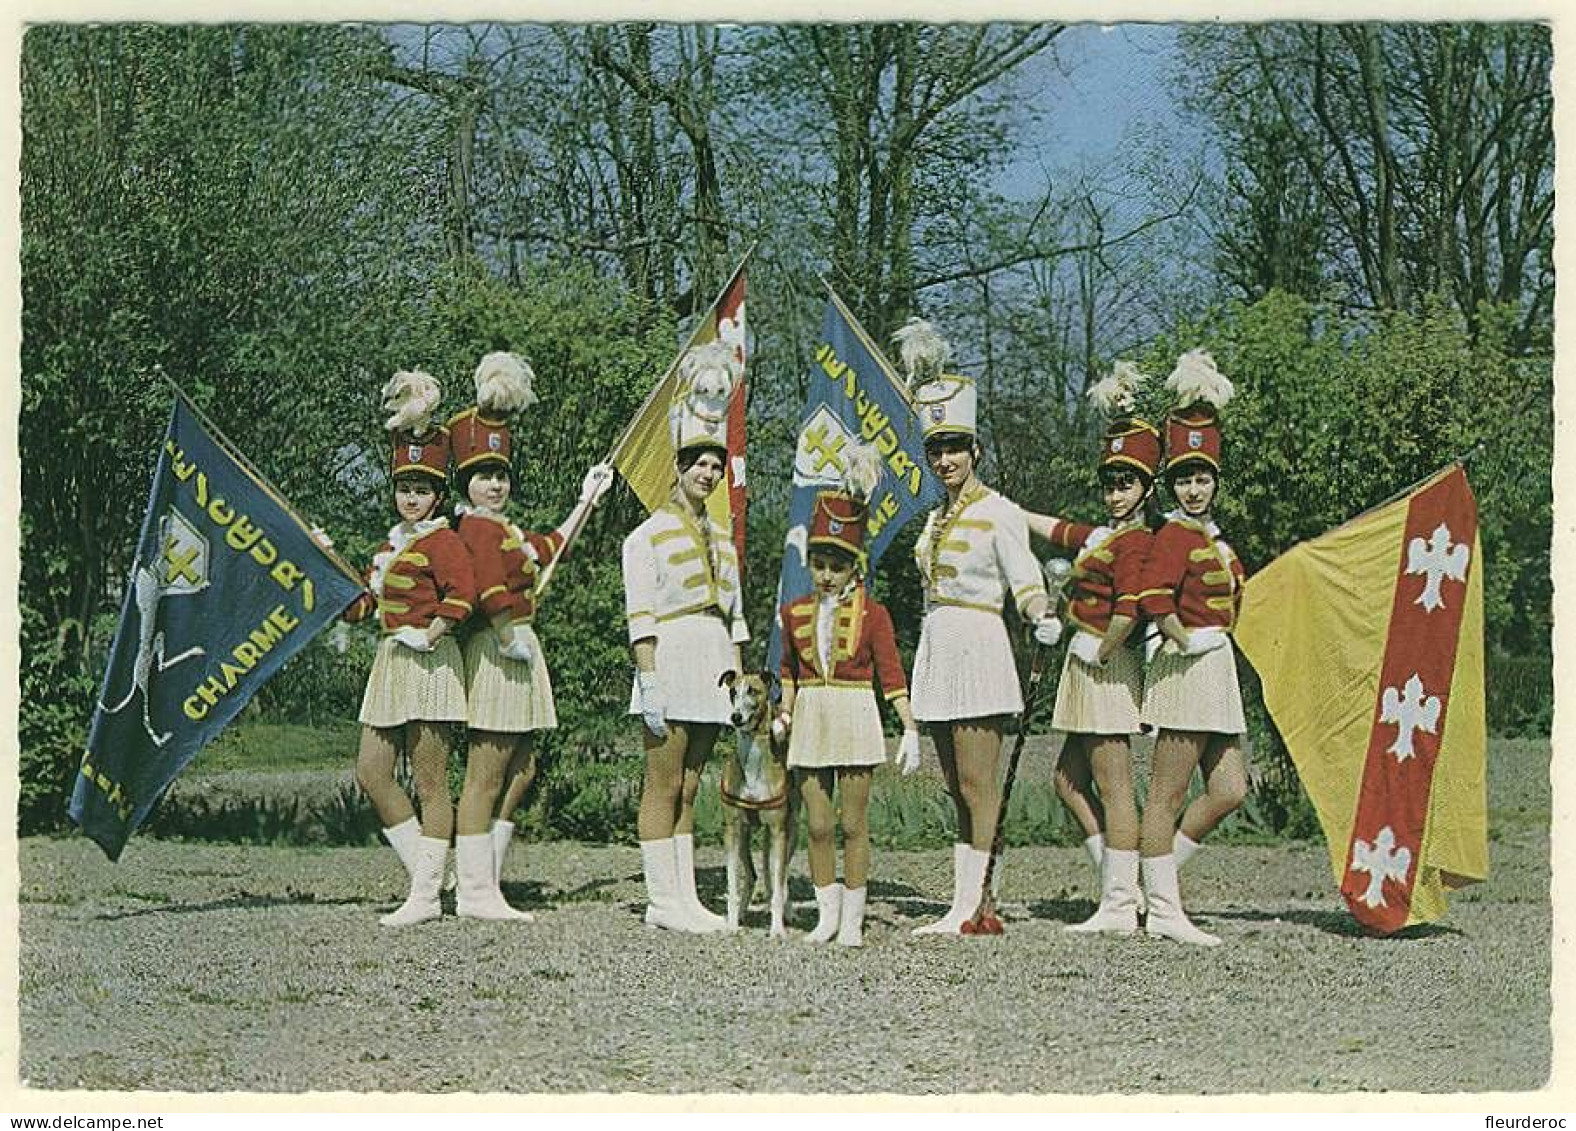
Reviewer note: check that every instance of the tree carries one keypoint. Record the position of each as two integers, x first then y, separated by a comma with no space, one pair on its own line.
1429,148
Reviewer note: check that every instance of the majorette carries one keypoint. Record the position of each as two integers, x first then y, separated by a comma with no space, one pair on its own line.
973,554
837,639
686,622
420,586
1192,584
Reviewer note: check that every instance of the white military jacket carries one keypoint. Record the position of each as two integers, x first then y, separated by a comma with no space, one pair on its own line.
676,565
977,552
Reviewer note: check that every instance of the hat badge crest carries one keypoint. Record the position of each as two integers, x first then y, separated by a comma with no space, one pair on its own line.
494,441
415,453
938,413
834,526
1116,444
1195,439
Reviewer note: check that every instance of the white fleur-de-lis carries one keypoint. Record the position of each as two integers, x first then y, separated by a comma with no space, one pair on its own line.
1436,559
1410,709
1382,861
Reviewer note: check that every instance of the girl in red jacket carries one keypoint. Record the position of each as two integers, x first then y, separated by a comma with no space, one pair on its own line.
420,586
1100,693
509,688
1191,590
835,642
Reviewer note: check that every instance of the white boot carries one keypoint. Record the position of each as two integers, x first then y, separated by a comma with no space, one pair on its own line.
1166,917
966,899
479,897
403,839
1118,910
828,906
851,922
664,905
1182,847
502,835
957,868
432,856
684,856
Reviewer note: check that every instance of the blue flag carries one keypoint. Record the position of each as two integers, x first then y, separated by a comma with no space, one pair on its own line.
854,397
228,585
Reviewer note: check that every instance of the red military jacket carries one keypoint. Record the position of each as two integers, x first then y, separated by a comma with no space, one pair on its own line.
1107,576
1193,574
507,561
426,578
863,645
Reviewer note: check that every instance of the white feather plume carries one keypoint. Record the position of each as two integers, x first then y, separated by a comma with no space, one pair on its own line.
709,371
503,383
922,349
1196,379
410,396
1117,392
862,469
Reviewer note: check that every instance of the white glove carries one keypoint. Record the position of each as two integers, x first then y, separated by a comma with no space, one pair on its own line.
516,644
1201,640
339,637
1048,630
908,752
653,705
414,638
320,536
596,483
1086,646
781,725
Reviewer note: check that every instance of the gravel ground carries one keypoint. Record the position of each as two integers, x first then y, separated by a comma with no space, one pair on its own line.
201,968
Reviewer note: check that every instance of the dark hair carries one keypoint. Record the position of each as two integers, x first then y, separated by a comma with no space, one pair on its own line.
1111,470
463,477
955,441
440,489
687,456
840,553
1189,464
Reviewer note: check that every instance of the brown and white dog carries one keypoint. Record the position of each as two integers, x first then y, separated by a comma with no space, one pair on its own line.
755,792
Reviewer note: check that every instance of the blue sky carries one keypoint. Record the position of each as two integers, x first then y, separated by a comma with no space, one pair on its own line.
1107,94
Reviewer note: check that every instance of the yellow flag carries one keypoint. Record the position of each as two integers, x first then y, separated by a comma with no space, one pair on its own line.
644,454
1369,644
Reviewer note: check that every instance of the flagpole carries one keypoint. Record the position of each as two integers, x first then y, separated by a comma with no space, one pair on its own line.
583,515
258,478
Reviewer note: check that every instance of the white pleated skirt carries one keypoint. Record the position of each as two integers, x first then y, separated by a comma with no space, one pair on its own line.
1194,692
1108,700
692,653
835,726
408,686
963,668
504,694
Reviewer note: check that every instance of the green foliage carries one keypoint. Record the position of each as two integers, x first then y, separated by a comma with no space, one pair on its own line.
51,727
1335,415
258,742
1520,695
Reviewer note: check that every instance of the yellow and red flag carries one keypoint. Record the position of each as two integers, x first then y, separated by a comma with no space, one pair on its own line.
644,453
1369,643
